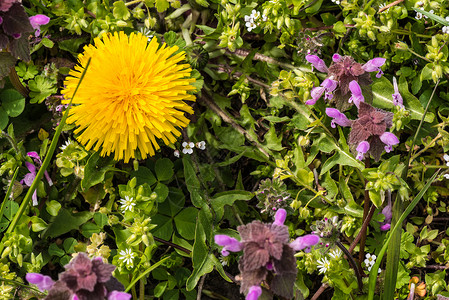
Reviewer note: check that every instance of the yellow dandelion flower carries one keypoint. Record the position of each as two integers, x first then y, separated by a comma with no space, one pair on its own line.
132,94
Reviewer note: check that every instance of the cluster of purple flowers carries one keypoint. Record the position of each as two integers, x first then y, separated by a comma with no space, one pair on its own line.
83,279
368,134
29,177
268,257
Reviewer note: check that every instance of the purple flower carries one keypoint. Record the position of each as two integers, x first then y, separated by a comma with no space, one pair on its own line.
254,292
357,95
305,242
229,243
337,117
317,62
397,98
316,93
361,149
336,57
1,20
38,20
43,282
16,35
389,139
280,216
38,161
29,177
329,86
374,66
116,295
388,213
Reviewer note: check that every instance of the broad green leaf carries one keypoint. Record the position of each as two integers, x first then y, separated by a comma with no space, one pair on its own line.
89,228
162,5
4,119
95,170
12,102
192,182
101,219
341,158
53,207
228,198
120,11
11,209
144,175
37,224
164,169
164,229
272,141
69,244
66,221
185,222
173,204
162,192
54,250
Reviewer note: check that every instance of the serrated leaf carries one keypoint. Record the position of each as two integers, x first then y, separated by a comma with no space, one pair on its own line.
12,102
162,5
15,21
20,48
54,250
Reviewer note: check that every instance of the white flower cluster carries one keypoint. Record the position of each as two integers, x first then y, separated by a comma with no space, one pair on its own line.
419,15
127,256
369,261
336,2
324,263
189,146
445,29
252,21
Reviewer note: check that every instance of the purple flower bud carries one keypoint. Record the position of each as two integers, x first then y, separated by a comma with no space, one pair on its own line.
38,20
42,282
116,295
254,293
361,149
305,241
385,227
338,117
228,243
374,66
357,95
317,62
397,98
280,216
1,20
336,57
269,266
390,140
316,94
16,35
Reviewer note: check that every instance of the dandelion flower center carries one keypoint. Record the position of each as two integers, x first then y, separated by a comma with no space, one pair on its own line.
132,95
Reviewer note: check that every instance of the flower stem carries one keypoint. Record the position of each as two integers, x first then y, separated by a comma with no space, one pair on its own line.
145,273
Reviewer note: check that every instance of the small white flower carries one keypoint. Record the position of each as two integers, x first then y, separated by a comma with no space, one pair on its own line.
176,153
418,16
446,176
370,260
323,265
67,143
201,145
446,158
127,256
264,18
127,204
382,6
188,147
445,29
419,3
336,253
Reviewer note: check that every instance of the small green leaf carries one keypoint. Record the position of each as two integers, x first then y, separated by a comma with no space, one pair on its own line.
120,11
164,169
69,244
192,182
4,119
185,222
11,209
89,228
12,102
101,219
54,250
162,5
144,175
47,43
95,170
228,198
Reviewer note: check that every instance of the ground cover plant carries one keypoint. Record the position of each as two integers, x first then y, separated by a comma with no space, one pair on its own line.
205,149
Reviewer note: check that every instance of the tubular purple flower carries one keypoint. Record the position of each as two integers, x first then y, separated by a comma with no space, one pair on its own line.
374,66
116,295
336,57
329,86
361,149
357,95
42,282
38,161
338,117
38,20
280,216
228,243
317,62
385,227
305,241
397,98
316,93
390,140
254,293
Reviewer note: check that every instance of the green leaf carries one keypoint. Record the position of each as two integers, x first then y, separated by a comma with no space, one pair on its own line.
206,29
162,5
383,91
47,43
4,119
54,250
37,224
120,11
432,16
101,219
53,207
144,175
192,182
185,222
66,221
341,157
272,141
11,209
228,198
40,88
69,245
164,229
173,204
12,102
164,169
89,228
162,192
95,170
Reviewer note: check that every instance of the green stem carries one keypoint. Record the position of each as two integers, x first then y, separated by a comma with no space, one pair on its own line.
8,192
45,164
17,283
145,273
133,2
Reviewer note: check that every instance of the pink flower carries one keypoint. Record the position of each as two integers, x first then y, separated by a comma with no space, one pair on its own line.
229,243
305,242
374,66
390,140
337,117
43,282
317,62
336,57
29,178
328,86
361,149
38,20
280,216
357,95
254,292
5,5
116,295
397,98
